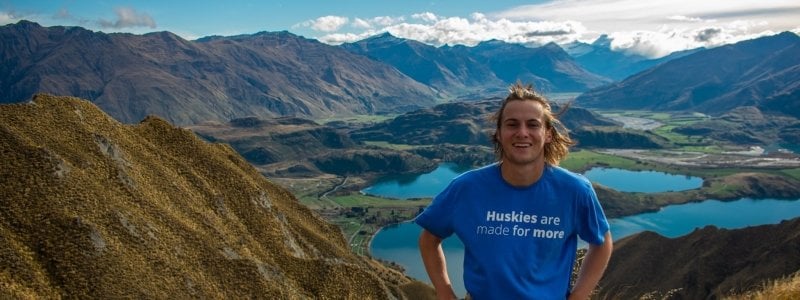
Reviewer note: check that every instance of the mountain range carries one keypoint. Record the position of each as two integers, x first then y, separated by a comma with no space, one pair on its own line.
214,78
92,208
763,72
273,74
487,66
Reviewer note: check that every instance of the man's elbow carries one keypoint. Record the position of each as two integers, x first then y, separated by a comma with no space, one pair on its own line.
608,245
428,240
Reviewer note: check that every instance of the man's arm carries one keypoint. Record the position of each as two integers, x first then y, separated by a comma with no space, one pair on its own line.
430,247
594,264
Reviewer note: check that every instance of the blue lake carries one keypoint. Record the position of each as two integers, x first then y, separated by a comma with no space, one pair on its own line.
399,243
642,181
430,184
415,186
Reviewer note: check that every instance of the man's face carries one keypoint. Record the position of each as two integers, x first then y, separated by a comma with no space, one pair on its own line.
522,132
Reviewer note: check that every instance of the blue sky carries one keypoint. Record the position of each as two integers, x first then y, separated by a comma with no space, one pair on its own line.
652,28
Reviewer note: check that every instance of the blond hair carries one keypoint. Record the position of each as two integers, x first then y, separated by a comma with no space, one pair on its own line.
554,151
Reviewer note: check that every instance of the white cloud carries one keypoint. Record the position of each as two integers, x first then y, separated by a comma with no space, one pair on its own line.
361,23
658,27
684,18
456,30
340,38
11,16
330,24
386,20
327,23
652,28
128,17
6,18
425,17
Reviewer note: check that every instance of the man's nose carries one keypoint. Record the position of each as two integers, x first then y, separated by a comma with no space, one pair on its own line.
523,131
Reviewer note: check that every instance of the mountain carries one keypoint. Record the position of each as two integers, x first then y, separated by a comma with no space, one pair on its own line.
599,58
186,82
489,65
436,67
92,208
763,72
708,263
549,67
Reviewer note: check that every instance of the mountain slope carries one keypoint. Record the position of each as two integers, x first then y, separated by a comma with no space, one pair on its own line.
760,72
95,209
186,82
437,67
705,264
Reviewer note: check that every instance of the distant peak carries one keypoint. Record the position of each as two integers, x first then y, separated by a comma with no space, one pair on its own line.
27,23
491,42
603,41
788,35
24,24
385,36
552,45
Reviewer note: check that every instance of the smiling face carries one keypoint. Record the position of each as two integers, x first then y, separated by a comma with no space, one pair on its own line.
522,133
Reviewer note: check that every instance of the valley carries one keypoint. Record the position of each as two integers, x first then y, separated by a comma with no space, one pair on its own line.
730,171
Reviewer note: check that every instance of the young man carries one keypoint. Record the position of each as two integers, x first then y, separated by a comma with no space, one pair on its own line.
519,218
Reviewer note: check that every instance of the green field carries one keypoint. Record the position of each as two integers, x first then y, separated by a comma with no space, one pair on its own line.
581,160
360,200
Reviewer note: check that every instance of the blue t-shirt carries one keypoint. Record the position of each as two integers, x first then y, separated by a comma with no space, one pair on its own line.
519,243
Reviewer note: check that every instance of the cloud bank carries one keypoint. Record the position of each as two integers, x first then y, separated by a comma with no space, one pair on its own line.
651,28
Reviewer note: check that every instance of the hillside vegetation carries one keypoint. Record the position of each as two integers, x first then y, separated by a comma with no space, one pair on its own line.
92,208
705,264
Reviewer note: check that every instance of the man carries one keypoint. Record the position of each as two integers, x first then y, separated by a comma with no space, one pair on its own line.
519,218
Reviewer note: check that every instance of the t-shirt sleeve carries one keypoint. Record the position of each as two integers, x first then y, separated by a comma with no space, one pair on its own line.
592,223
437,218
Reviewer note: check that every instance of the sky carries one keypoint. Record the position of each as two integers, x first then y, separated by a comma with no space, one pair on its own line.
652,28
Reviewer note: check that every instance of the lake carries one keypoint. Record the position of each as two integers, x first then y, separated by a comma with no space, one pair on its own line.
399,243
430,184
415,185
642,181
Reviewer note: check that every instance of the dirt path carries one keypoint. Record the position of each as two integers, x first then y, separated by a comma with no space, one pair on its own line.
333,189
